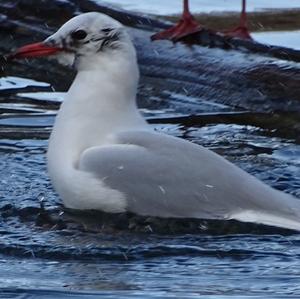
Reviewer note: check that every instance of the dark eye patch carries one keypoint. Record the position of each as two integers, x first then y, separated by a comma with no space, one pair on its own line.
79,34
107,30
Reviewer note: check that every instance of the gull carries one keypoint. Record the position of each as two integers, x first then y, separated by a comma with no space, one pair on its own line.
103,155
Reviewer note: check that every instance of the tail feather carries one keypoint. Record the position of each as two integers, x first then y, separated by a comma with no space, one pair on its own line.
260,217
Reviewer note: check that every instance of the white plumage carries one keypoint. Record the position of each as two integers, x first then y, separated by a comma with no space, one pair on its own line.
103,155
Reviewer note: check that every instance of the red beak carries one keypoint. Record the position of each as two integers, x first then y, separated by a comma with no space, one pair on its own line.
34,50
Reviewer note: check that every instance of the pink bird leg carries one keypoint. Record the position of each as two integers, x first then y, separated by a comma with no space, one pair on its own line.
187,25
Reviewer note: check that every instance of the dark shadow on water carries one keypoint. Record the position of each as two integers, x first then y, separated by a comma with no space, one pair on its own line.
169,226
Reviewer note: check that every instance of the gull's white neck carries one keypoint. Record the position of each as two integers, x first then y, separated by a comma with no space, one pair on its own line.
100,102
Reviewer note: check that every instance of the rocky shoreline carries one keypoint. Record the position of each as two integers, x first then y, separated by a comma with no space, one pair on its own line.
249,77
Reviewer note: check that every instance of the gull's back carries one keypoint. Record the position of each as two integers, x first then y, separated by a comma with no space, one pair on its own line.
166,176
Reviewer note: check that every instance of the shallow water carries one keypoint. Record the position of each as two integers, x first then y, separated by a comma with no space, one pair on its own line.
163,7
46,251
288,39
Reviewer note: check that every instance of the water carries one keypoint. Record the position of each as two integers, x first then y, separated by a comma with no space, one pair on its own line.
163,7
220,99
279,38
45,251
218,7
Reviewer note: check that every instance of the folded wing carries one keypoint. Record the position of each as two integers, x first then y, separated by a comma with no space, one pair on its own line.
165,176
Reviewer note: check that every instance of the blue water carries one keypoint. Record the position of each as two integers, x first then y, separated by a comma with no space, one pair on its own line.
48,252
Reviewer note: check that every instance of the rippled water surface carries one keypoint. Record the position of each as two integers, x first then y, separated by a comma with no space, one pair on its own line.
241,105
46,251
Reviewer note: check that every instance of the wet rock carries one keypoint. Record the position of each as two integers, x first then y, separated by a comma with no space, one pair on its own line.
125,17
46,8
235,78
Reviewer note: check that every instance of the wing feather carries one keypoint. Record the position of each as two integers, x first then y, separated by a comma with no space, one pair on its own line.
165,176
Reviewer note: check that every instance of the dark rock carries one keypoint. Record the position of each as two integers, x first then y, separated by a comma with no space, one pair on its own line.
48,8
229,77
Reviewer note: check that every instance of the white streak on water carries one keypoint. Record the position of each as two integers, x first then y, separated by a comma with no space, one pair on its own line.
44,96
10,82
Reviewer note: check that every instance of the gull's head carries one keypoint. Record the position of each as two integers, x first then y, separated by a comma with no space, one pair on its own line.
83,40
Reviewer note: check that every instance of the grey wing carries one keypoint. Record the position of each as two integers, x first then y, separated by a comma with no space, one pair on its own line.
166,176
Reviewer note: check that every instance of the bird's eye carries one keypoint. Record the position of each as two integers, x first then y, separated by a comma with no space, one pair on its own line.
79,34
107,30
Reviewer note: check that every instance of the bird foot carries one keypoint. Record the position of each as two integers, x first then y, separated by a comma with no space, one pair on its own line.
241,32
186,26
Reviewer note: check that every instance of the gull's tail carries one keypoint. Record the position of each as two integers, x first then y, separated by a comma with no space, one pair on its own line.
281,210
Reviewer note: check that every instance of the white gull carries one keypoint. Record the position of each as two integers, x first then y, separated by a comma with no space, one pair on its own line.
103,155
